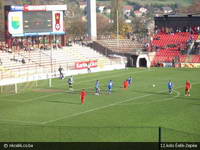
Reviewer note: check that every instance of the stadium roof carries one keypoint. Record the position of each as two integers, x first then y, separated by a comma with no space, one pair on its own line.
181,14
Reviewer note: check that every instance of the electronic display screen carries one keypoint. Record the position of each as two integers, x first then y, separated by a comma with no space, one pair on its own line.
37,21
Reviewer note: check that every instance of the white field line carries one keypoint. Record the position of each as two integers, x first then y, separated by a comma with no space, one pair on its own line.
76,114
32,99
44,96
40,97
155,101
102,107
94,109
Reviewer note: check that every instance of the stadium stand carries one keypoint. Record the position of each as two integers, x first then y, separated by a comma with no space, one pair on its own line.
46,61
169,46
121,45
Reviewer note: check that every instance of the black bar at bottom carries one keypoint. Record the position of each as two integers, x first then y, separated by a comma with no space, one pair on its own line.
99,146
159,138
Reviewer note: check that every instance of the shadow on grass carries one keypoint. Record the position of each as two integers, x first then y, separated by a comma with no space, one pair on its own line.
89,92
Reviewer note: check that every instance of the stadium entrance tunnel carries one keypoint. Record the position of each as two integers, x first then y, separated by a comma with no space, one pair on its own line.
143,61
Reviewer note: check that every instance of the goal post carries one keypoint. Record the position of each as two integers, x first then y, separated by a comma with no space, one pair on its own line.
17,88
7,89
50,83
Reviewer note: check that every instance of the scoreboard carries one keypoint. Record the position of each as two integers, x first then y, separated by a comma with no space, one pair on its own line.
40,21
34,20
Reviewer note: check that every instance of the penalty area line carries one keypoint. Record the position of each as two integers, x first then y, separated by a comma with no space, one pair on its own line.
94,109
98,108
156,101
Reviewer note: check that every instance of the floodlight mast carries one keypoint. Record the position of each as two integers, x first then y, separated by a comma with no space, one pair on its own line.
51,76
117,30
91,18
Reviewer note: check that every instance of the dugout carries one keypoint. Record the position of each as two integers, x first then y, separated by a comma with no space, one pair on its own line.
131,60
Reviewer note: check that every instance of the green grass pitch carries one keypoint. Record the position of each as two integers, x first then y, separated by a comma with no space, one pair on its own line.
55,114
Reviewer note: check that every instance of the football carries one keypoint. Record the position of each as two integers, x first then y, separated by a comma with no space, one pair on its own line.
154,85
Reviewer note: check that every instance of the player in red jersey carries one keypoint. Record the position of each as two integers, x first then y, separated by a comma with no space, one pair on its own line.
125,83
188,86
83,95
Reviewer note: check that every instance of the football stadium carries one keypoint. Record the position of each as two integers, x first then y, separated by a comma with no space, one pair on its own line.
118,87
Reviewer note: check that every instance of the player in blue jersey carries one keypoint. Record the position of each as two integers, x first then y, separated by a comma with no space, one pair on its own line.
110,86
97,87
170,86
130,81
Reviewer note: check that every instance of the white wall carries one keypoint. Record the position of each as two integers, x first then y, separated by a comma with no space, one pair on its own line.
66,73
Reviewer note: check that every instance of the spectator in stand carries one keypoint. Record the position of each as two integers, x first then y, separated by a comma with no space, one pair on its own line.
54,46
173,62
23,61
88,68
41,47
1,62
198,29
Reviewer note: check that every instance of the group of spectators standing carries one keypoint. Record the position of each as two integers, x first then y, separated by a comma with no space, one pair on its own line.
4,48
22,60
80,40
171,30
